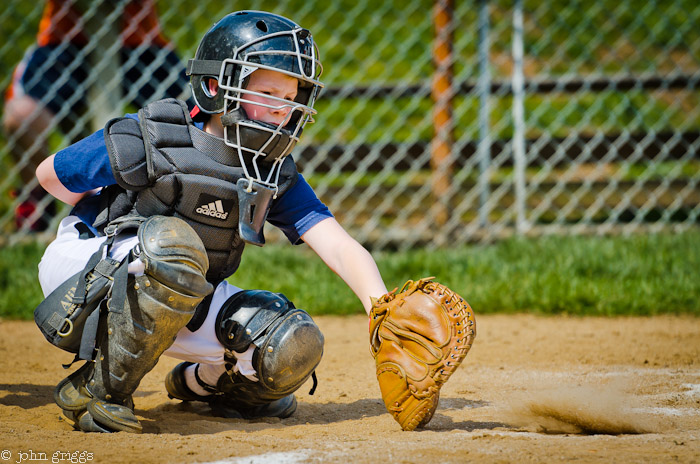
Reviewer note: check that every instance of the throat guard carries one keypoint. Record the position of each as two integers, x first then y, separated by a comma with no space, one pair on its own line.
164,165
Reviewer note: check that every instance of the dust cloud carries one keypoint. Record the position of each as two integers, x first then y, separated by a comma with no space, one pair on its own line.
576,409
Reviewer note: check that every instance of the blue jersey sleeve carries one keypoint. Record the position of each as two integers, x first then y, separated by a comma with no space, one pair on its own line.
84,165
297,211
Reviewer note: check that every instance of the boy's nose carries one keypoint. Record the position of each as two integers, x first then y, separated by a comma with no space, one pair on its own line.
280,114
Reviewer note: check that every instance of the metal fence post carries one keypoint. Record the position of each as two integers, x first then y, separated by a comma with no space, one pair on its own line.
105,102
519,119
443,138
484,89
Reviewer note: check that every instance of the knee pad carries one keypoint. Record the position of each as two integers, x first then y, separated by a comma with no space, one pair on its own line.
173,254
289,345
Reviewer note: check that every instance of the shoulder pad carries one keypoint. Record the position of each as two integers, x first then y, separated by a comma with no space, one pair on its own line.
127,154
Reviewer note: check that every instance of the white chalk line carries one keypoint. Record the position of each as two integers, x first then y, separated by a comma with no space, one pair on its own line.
290,457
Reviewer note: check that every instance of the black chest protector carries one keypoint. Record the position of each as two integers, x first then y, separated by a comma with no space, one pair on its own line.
164,165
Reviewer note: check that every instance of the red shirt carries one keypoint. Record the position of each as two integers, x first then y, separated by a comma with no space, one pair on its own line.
61,21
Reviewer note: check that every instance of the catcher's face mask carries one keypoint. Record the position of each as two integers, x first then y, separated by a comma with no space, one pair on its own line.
236,47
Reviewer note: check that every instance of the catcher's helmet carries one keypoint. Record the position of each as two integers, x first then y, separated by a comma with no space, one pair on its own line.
235,47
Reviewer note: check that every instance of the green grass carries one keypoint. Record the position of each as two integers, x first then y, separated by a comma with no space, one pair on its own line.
583,276
19,287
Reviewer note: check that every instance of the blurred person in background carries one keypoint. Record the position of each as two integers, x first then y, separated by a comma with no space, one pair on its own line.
50,86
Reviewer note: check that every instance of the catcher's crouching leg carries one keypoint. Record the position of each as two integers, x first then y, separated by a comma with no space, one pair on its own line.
158,304
288,347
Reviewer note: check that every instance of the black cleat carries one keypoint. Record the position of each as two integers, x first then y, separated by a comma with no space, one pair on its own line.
177,388
224,406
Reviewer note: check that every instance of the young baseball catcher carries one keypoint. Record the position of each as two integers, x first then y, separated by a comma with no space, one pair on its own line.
165,202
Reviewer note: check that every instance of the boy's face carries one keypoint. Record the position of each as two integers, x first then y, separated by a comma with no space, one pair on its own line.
271,83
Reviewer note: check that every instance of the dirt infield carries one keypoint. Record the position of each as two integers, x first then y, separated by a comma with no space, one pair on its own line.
531,390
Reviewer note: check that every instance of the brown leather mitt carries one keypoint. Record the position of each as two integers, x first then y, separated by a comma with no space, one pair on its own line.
418,337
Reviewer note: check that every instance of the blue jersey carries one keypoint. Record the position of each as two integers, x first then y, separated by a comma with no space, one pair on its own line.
85,166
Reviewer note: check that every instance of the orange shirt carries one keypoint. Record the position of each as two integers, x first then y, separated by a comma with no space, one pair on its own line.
60,22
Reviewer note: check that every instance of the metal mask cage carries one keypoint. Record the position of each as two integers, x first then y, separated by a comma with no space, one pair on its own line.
232,78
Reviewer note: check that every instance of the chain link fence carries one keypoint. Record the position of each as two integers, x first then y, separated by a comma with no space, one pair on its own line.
442,122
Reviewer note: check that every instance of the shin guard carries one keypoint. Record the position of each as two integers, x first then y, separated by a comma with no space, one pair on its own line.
139,327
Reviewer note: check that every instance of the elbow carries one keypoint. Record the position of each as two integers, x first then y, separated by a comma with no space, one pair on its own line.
43,173
46,175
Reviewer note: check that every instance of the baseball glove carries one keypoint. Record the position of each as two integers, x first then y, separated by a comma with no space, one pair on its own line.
418,337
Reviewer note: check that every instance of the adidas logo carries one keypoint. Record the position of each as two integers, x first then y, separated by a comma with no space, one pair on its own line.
213,209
